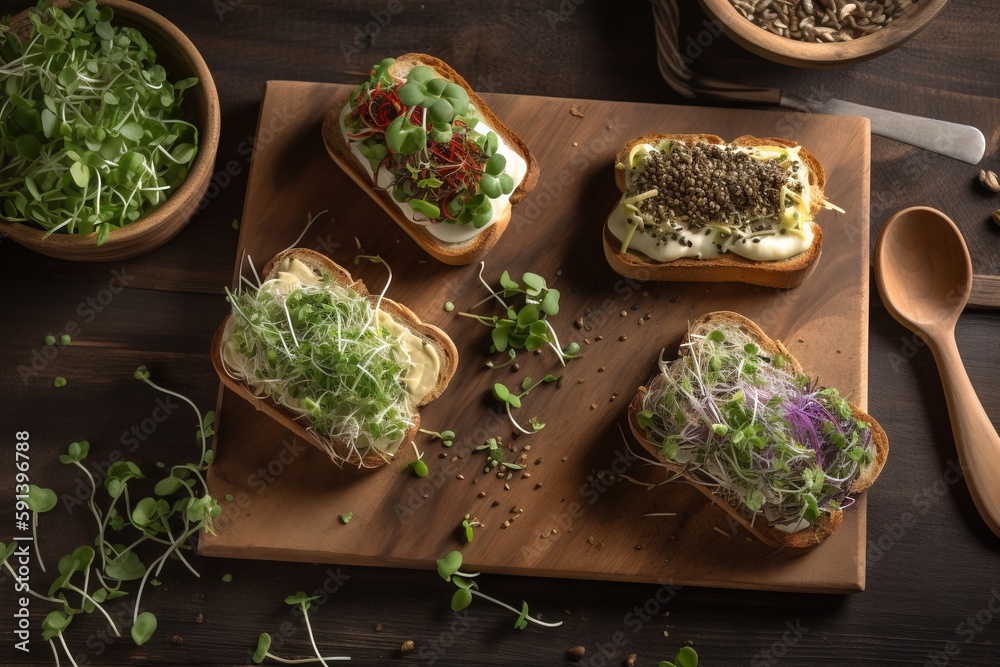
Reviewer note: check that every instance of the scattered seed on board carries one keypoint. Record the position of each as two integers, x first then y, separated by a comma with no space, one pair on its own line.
996,216
407,646
577,652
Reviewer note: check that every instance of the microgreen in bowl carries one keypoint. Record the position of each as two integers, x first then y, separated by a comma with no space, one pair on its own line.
91,130
765,439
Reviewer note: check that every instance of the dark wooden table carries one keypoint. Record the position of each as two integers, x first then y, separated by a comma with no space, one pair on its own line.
932,594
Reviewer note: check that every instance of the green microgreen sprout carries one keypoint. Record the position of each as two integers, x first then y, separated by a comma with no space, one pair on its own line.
524,327
235,223
449,306
65,339
449,569
39,500
60,381
52,627
346,517
686,657
6,551
468,524
513,401
494,451
143,628
303,602
92,135
446,437
227,578
50,340
418,467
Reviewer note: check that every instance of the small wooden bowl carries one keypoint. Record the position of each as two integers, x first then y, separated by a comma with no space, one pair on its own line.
805,54
201,107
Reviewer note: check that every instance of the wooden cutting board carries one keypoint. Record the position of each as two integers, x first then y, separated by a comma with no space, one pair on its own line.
572,519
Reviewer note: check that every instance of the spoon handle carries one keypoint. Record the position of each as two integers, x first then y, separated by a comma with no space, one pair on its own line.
976,440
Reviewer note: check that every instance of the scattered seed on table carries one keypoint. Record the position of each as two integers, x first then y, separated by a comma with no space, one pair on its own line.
645,293
480,495
176,640
577,652
624,313
593,406
459,476
578,323
407,646
623,338
601,369
598,339
378,627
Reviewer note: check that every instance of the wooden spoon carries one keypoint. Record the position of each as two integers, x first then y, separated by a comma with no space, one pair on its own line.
924,275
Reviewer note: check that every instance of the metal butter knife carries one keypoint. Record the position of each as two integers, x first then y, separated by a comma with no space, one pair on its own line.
962,142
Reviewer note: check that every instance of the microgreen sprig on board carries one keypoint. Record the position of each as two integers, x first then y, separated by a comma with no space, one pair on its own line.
525,327
686,657
39,501
495,453
511,400
91,130
446,437
449,569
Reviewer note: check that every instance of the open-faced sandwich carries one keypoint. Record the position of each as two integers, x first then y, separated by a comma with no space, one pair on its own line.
342,369
417,139
736,417
695,208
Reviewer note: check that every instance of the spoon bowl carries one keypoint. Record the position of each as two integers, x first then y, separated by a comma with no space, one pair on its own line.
924,275
923,269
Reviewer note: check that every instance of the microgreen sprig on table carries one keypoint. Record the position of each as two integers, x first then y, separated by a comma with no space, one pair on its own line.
686,657
469,523
525,327
39,501
495,453
446,437
511,400
303,602
91,130
449,568
89,577
419,467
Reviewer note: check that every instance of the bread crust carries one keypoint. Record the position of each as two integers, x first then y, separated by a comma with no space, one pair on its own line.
828,522
465,252
728,267
446,350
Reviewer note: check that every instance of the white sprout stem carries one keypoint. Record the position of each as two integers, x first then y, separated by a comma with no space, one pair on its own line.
527,617
37,595
62,640
162,559
201,424
180,555
496,295
469,575
55,652
93,491
516,425
312,639
557,346
97,605
301,661
34,536
312,219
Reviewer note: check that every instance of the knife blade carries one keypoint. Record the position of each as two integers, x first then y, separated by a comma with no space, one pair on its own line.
961,142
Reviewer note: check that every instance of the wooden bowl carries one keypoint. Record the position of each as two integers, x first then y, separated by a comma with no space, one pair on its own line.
201,107
832,54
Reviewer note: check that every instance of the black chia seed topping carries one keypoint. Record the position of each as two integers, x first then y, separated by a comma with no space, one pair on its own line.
707,184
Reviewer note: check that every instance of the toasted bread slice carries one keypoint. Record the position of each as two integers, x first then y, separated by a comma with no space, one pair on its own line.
297,423
728,267
828,521
465,252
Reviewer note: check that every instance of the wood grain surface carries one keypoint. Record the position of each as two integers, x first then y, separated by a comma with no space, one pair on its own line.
564,524
931,563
